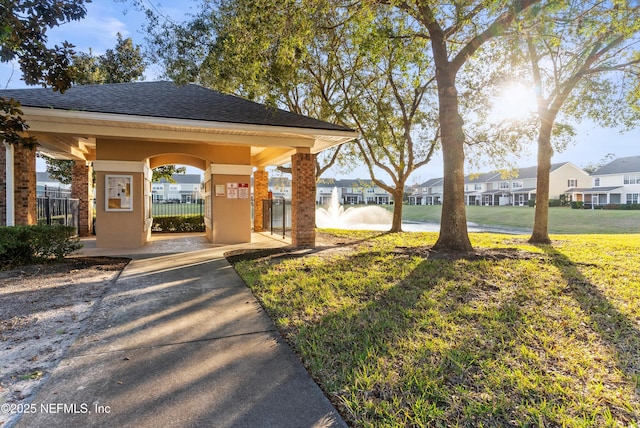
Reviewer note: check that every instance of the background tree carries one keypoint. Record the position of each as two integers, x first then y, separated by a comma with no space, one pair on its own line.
579,55
258,50
388,96
455,33
321,59
23,28
125,63
166,172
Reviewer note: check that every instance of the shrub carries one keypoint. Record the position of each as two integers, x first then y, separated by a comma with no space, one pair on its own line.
555,203
577,204
21,245
178,224
531,203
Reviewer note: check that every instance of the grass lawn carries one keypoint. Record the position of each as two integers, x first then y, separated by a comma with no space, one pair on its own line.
561,219
514,335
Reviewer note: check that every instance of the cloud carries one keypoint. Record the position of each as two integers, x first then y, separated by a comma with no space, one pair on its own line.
98,30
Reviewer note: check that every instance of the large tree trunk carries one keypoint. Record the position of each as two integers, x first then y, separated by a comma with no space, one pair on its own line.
540,233
396,224
453,223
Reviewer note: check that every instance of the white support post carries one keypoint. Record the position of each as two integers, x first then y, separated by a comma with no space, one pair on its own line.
10,190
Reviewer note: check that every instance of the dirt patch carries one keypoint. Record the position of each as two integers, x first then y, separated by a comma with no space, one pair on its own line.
44,308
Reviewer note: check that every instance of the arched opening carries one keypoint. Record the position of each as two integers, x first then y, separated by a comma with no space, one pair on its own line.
177,194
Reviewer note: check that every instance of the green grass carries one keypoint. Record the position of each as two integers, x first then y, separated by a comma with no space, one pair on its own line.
561,219
520,335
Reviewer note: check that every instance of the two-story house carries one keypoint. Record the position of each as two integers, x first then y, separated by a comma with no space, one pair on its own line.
280,187
512,188
427,193
351,192
185,190
617,182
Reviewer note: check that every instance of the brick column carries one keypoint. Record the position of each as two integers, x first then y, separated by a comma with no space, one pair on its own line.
81,179
25,185
3,185
303,200
260,193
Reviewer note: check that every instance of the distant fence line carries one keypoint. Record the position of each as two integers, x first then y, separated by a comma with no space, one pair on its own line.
276,215
177,210
54,210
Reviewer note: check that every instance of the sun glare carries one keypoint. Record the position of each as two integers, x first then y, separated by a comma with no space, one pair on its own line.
514,101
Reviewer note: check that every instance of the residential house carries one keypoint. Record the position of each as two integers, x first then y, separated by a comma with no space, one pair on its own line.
428,193
510,188
280,187
185,190
618,182
352,192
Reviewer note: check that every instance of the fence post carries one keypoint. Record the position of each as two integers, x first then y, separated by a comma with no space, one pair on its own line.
66,211
284,218
271,214
47,210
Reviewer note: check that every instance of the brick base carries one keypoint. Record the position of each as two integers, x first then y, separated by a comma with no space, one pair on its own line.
260,193
25,186
303,197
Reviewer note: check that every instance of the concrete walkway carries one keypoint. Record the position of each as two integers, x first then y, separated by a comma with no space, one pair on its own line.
180,341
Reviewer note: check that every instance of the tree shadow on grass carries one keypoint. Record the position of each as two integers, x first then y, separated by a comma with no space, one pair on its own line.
436,346
614,327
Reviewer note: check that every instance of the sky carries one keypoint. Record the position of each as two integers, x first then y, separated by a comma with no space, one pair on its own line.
105,18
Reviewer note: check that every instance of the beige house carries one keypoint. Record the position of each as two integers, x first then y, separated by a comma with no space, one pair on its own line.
516,188
617,182
125,130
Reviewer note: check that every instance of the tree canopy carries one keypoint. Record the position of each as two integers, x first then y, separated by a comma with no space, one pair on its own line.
23,28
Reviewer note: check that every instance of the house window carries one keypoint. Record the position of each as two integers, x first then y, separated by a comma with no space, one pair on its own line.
517,185
632,179
572,182
633,198
596,182
477,187
504,185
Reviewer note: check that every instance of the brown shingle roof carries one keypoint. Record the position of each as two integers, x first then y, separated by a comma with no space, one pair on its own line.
166,100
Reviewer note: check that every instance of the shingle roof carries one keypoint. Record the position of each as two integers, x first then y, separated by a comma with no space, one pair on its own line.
432,182
183,179
620,165
165,100
341,183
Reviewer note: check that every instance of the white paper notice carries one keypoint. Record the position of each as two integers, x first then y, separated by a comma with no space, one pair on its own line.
232,190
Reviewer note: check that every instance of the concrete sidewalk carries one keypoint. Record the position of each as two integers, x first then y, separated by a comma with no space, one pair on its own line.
180,341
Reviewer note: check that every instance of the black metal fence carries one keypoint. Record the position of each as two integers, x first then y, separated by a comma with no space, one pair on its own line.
276,215
63,211
163,209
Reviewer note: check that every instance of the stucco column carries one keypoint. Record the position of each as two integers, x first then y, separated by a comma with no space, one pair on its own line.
81,180
303,197
260,193
24,185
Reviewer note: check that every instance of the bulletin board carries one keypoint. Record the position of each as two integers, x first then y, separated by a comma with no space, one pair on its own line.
118,193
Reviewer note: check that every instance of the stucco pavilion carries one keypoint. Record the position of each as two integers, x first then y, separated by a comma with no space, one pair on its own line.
123,131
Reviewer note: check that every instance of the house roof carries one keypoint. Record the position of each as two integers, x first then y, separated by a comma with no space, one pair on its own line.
341,183
480,177
164,100
183,179
526,172
432,182
69,125
593,189
620,166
